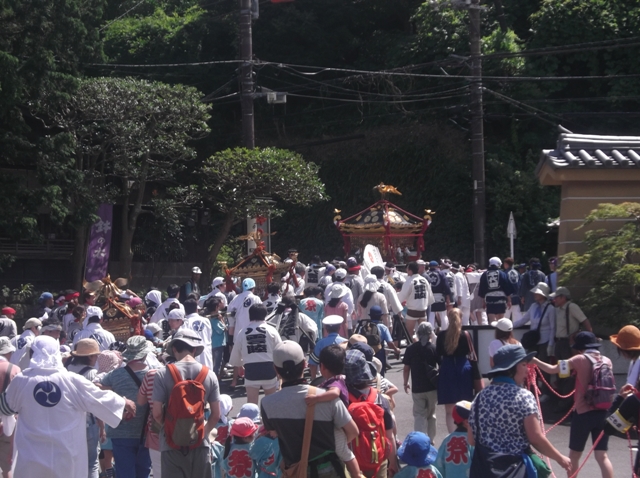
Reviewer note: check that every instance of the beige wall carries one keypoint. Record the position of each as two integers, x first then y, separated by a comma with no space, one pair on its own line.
579,198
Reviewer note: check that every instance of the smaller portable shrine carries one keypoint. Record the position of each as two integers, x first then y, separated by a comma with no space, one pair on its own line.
118,318
261,266
386,226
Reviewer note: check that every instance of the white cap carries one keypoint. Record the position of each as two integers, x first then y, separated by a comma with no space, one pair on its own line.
420,262
332,320
94,310
196,270
154,328
495,261
503,324
176,314
216,282
340,273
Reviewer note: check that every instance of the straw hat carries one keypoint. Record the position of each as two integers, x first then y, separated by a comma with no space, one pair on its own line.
628,338
86,348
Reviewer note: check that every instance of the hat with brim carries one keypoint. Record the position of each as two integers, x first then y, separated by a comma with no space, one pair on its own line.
585,340
32,322
542,289
357,369
190,338
338,292
417,450
508,356
217,281
5,346
332,320
628,338
563,291
243,427
136,348
86,348
196,270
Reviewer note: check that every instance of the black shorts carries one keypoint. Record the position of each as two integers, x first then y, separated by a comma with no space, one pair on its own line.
584,423
496,304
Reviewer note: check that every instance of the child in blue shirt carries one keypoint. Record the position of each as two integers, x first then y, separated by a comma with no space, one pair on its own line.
418,453
237,462
455,453
212,308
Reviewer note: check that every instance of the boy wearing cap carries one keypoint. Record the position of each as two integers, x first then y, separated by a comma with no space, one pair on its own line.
284,412
191,286
332,325
455,453
419,455
586,419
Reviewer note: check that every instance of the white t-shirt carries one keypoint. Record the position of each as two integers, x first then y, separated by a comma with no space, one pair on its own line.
495,345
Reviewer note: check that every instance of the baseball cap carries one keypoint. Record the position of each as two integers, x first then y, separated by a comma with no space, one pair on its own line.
420,262
495,261
176,314
248,284
585,340
375,312
503,324
216,282
563,291
461,411
8,310
196,270
287,354
433,263
340,273
352,262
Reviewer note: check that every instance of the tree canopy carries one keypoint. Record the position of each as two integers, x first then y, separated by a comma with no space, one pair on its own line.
611,264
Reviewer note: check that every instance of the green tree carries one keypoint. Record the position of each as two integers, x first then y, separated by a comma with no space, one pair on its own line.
125,135
610,266
236,182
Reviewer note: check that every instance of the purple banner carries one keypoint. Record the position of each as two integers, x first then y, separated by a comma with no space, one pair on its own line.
99,244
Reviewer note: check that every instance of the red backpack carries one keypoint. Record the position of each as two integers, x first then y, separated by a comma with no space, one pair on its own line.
184,416
370,446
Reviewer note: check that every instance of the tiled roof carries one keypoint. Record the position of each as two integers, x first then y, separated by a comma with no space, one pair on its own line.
574,151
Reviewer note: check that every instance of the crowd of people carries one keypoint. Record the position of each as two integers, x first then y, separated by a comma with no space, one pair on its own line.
75,401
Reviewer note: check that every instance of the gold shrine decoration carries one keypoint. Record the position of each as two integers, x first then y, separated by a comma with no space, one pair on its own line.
385,189
428,213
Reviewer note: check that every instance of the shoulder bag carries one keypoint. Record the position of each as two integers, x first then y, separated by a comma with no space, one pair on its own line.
478,384
299,469
530,339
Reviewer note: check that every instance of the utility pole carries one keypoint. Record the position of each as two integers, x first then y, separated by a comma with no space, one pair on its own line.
477,136
246,75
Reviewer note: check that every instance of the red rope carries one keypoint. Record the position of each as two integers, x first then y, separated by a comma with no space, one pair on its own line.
544,380
595,443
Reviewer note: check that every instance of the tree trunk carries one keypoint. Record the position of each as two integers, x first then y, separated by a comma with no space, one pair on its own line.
79,256
130,221
217,245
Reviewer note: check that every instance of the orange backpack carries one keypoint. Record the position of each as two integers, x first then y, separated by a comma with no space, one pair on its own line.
370,446
184,416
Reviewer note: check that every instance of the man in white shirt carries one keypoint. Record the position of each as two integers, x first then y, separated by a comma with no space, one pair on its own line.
202,327
388,291
463,297
173,291
218,288
416,292
93,330
22,342
239,315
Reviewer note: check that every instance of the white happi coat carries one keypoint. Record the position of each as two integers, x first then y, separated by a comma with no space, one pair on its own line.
22,343
96,332
163,310
51,432
201,326
240,305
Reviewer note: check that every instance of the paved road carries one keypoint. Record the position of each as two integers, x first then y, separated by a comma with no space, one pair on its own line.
559,436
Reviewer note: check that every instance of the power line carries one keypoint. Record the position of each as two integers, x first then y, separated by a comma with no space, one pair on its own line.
345,100
161,65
